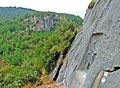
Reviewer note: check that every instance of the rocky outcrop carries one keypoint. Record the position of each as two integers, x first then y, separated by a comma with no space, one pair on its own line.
93,60
43,22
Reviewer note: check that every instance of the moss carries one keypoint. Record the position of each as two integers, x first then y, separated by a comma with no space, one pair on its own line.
92,4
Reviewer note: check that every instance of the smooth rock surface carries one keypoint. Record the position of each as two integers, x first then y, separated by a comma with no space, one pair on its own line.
95,48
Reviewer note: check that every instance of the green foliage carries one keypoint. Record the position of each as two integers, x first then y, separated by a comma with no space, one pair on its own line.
6,13
26,52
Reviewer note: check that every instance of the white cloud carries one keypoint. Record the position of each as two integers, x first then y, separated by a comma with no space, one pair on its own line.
77,7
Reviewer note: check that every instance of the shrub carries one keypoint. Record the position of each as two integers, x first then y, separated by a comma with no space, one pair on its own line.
92,4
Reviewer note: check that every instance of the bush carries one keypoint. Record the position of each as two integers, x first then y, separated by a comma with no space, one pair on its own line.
92,4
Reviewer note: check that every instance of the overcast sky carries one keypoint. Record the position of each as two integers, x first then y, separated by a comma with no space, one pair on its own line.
77,7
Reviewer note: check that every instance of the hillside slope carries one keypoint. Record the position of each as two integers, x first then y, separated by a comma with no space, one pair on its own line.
10,12
30,44
94,58
36,19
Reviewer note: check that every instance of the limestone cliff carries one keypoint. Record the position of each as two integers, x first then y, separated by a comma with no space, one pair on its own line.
93,60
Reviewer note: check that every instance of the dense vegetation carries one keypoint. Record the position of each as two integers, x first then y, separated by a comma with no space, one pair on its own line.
24,52
10,12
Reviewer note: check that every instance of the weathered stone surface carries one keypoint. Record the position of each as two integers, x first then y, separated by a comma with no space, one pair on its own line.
44,23
111,81
79,78
95,48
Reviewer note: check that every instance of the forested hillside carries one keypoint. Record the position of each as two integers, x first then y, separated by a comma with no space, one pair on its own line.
24,51
10,12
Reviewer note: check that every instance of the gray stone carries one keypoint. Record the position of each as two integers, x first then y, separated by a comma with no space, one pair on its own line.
98,45
111,81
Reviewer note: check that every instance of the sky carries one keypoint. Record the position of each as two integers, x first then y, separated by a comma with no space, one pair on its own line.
77,7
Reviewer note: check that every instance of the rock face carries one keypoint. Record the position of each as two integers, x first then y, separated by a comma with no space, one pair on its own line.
93,60
44,22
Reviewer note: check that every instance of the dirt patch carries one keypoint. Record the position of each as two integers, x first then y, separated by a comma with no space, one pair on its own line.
54,85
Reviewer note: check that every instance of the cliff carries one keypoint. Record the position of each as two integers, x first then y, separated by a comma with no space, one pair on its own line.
93,60
46,22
